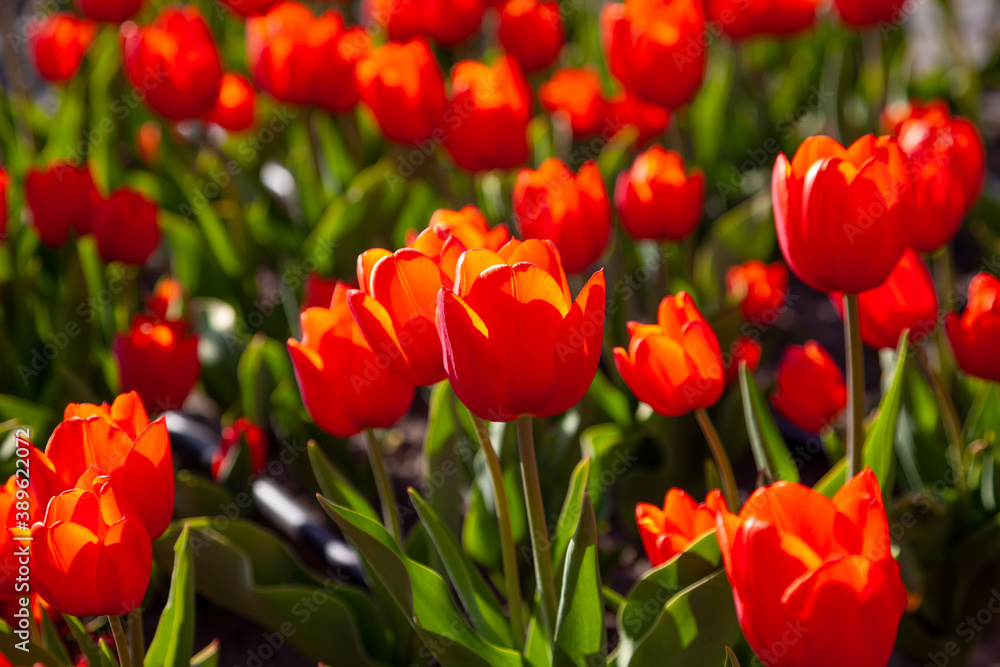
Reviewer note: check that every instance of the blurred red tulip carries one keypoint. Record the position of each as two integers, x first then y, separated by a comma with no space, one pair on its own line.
532,32
842,215
486,120
571,211
345,386
975,336
234,109
668,531
761,290
148,143
318,291
629,111
865,13
675,365
61,196
810,390
59,43
109,11
514,341
241,430
249,7
4,206
447,22
126,227
303,59
159,360
403,87
808,572
167,299
577,94
745,349
656,48
450,233
657,199
740,19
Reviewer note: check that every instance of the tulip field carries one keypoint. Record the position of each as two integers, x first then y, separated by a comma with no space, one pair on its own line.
500,333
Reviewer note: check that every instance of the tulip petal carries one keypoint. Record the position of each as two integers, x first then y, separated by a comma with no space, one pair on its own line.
147,478
123,566
860,500
316,394
471,265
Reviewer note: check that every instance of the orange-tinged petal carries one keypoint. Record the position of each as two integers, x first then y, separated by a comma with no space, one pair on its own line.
471,265
366,264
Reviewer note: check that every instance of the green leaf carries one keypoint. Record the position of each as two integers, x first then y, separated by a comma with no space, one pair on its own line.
537,649
173,642
610,399
580,633
983,422
108,657
731,659
881,437
480,531
335,486
769,448
834,478
51,640
208,656
10,645
197,496
569,516
444,489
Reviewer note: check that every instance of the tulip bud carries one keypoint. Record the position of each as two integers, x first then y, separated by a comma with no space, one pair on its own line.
745,349
975,336
531,31
59,44
158,360
577,94
760,289
810,389
242,430
866,13
667,532
740,19
629,111
657,199
126,227
234,109
61,197
109,11
447,22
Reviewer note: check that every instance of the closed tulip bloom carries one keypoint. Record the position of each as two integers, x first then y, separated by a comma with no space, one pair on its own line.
447,22
58,45
668,531
577,94
975,336
126,227
810,390
158,360
657,198
627,110
514,340
761,289
675,365
234,110
109,11
820,567
532,32
240,431
842,214
345,386
648,44
248,7
303,59
865,13
745,349
740,19
61,197
403,87
175,63
91,556
487,116
571,211
450,233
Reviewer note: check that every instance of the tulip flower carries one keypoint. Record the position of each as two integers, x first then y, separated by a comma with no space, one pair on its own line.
657,199
577,94
761,289
669,531
19,505
234,110
514,341
126,227
247,8
158,360
109,11
740,19
866,13
813,579
91,555
318,291
745,349
403,87
450,233
571,211
627,110
810,389
61,197
345,386
149,142
531,31
301,59
486,120
447,22
174,62
947,164
656,48
58,45
242,430
842,214
167,299
975,336
121,442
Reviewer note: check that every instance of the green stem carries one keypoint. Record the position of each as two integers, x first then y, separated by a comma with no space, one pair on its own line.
949,417
729,488
124,659
135,634
855,385
384,484
536,522
508,548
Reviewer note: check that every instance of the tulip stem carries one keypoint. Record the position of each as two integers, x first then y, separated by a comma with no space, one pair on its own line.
949,417
384,484
508,548
536,522
121,644
729,488
135,634
855,385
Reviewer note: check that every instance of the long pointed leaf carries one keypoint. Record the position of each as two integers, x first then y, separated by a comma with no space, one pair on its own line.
769,448
580,632
173,642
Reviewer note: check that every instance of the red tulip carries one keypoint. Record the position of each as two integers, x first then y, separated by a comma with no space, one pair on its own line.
126,227
675,365
813,579
149,142
486,119
19,505
109,11
740,19
532,32
657,199
242,430
447,22
249,7
59,44
158,360
345,386
450,233
167,299
865,13
975,336
810,389
656,48
514,341
301,59
318,291
4,210
745,349
761,290
234,110
403,87
571,211
91,556
629,111
842,215
577,94
61,197
669,531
